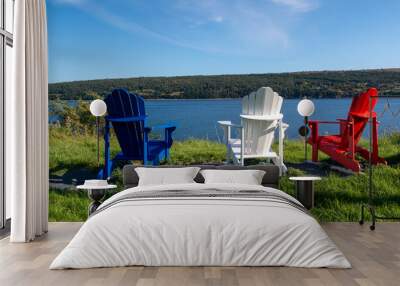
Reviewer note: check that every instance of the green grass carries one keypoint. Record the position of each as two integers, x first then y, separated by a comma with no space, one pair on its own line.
337,198
197,152
73,151
67,205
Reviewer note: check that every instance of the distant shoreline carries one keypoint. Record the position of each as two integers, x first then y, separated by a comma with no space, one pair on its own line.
230,99
194,99
163,99
325,84
300,72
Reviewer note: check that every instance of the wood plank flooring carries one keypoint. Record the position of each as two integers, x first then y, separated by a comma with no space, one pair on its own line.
375,257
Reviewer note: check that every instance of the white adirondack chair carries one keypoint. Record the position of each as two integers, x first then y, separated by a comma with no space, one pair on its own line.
261,117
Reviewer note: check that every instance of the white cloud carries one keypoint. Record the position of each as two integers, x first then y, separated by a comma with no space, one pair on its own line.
115,20
218,19
298,5
249,25
244,26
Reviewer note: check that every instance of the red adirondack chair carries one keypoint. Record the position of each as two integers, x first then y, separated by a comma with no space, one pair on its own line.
343,147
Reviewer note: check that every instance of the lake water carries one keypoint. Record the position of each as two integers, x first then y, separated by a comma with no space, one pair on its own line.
198,118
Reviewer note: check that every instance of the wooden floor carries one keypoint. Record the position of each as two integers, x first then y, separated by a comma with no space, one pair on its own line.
375,257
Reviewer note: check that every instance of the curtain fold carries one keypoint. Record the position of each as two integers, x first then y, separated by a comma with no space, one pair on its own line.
27,124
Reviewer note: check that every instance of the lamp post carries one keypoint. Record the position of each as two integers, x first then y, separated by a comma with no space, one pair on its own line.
305,108
98,108
371,203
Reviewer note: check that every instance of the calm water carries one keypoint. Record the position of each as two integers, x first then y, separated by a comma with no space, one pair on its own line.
198,118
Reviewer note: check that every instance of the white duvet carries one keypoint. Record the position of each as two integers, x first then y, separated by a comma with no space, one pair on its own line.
200,231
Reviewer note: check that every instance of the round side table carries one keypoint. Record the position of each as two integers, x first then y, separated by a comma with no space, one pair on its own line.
305,190
96,195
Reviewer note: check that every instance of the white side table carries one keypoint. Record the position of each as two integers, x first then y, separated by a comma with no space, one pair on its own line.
305,190
96,194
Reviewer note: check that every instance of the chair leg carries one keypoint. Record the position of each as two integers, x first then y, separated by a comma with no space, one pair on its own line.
105,173
100,174
145,148
147,162
282,167
107,162
156,160
228,154
375,156
315,152
166,154
110,169
242,142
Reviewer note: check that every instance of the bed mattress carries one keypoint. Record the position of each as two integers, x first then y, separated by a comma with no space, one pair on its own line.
201,225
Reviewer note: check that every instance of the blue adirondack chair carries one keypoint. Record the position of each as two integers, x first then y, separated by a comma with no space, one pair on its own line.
126,114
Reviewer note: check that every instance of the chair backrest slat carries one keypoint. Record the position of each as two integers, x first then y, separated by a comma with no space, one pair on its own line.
360,106
120,103
258,135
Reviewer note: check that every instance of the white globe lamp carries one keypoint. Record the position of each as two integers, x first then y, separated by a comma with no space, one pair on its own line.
98,108
305,108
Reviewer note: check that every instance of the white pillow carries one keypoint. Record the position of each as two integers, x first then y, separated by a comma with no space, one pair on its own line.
166,176
248,177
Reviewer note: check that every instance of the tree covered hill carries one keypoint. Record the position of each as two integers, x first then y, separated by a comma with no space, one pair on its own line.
320,84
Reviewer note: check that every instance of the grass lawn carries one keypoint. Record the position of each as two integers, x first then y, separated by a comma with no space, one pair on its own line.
337,198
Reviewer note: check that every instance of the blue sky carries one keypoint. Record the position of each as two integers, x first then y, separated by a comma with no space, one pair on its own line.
94,39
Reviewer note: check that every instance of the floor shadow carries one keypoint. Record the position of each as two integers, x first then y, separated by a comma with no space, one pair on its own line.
75,175
321,168
393,160
309,168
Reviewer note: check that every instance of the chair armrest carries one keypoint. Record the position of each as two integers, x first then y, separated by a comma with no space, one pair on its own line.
262,117
285,126
167,126
126,119
168,129
313,122
229,124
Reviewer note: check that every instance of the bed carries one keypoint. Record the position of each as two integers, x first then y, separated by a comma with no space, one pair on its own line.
198,224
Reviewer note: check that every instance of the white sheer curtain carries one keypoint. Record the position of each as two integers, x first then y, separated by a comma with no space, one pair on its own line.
27,124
